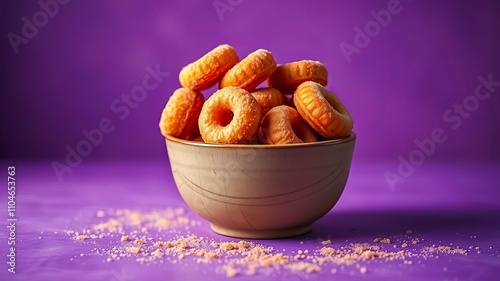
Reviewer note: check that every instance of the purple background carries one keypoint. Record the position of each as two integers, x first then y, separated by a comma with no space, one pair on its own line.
425,60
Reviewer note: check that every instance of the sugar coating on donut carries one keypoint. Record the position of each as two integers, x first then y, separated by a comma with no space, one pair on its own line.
323,110
289,76
180,114
283,125
250,71
268,98
231,115
209,69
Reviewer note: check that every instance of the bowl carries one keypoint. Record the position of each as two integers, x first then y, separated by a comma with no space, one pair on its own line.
261,191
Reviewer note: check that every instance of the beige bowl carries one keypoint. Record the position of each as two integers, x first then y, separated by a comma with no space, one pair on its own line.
261,191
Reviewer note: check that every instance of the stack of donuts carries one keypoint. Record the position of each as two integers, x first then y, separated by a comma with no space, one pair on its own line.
240,113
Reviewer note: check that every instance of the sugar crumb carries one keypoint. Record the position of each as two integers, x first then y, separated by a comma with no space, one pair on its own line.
139,242
134,250
160,237
81,237
231,271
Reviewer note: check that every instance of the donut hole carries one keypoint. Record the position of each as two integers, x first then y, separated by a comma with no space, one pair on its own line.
223,116
333,102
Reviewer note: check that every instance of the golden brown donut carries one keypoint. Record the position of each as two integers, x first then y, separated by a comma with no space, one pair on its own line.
230,115
282,125
180,115
250,71
268,98
288,77
322,110
209,69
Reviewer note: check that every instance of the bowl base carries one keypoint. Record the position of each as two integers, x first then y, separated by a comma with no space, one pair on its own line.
261,233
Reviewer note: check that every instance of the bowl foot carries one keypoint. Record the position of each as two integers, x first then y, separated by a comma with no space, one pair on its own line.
261,233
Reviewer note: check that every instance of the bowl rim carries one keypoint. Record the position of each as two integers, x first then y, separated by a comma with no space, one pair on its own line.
349,138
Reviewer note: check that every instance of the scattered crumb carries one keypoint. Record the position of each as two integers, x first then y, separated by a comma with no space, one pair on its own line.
100,214
81,237
157,237
304,266
157,253
409,231
211,255
135,250
139,242
445,250
230,271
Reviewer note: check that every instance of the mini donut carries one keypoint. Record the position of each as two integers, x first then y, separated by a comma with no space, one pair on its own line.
288,77
180,114
231,115
268,98
209,69
322,110
282,125
250,71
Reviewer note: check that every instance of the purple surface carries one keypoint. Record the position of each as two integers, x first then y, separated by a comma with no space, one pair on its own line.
443,204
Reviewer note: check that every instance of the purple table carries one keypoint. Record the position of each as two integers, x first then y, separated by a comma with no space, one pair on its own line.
443,204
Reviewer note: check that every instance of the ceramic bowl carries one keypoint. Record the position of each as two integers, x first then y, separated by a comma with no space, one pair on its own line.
261,191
